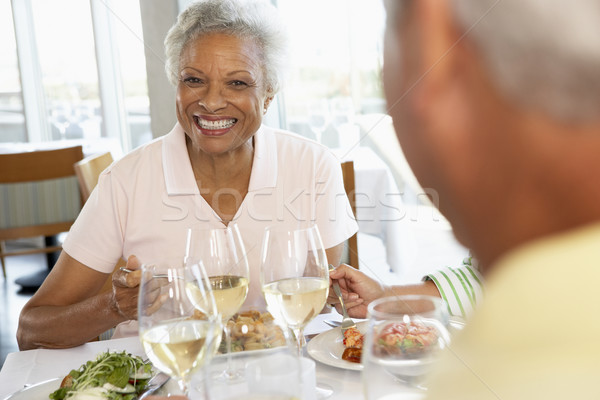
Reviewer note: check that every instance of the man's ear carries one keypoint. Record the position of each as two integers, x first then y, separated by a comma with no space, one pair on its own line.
440,50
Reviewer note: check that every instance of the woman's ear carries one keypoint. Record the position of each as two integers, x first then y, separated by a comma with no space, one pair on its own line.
266,105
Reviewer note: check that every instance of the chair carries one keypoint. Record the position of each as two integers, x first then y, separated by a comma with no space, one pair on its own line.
88,170
350,187
39,196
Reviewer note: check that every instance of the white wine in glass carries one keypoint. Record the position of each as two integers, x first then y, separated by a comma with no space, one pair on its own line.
177,340
294,277
296,300
222,253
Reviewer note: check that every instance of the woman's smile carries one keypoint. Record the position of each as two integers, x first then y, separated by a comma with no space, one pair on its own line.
214,126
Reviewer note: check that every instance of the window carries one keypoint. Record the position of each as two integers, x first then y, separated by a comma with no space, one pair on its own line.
12,119
337,57
82,70
126,27
65,52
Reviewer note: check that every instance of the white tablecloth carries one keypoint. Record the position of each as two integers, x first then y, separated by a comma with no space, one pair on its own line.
33,366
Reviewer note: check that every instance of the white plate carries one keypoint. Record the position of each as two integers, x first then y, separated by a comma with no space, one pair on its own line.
327,347
41,390
249,353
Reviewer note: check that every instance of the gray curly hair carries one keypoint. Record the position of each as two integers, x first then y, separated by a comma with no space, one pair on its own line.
256,19
541,54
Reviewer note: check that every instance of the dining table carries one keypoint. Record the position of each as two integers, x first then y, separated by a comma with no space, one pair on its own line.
25,368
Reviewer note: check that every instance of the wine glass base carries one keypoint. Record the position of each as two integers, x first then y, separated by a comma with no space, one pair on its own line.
225,370
414,382
229,376
324,391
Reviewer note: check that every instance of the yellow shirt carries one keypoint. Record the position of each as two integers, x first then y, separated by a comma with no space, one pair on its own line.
536,334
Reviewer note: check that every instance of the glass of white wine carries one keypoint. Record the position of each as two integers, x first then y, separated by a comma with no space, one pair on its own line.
177,338
223,256
294,277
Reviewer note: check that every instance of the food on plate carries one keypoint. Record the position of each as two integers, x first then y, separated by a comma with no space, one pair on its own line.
410,339
353,343
353,338
352,354
112,375
253,330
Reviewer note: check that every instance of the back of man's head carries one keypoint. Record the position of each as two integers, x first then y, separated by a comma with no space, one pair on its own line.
543,54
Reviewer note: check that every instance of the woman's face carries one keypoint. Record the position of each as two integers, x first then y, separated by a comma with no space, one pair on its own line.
221,95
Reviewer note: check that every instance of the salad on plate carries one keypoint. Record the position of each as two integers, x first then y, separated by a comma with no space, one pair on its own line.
112,375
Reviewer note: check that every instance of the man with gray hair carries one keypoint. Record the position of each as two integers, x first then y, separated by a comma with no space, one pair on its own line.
495,103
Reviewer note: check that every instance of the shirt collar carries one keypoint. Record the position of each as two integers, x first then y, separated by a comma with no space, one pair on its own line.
264,165
179,176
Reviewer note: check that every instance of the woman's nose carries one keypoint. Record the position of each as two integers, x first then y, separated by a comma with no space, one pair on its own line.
212,99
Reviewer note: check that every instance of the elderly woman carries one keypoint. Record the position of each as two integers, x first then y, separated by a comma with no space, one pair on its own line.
217,165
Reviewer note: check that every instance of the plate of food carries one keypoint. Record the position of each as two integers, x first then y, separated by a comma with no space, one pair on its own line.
252,331
345,350
339,350
112,375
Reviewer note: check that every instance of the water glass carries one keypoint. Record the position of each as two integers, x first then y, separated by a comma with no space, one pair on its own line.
403,338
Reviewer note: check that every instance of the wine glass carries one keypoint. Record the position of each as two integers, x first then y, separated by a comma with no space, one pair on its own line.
403,338
223,256
60,117
177,338
294,277
318,117
342,110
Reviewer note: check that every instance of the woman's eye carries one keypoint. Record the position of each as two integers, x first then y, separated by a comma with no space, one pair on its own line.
239,84
191,81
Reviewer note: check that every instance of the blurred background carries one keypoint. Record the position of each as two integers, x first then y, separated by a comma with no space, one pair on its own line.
91,72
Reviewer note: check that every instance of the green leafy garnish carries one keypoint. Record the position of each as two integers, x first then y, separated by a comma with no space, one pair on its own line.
113,368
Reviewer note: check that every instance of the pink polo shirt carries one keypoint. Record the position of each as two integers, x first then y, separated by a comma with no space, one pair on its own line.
145,202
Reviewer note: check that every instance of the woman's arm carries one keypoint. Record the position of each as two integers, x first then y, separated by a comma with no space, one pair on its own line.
334,254
461,288
68,310
358,290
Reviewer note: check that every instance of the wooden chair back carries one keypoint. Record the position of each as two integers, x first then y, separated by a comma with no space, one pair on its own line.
37,175
350,187
88,171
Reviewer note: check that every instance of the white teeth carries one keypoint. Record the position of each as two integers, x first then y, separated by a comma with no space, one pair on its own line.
219,124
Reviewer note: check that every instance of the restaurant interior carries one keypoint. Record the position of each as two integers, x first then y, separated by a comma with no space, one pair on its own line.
93,78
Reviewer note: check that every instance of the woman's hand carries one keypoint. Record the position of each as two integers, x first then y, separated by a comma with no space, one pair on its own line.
125,288
358,290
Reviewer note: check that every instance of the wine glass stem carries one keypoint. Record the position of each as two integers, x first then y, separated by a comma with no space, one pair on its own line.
299,335
228,371
183,386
